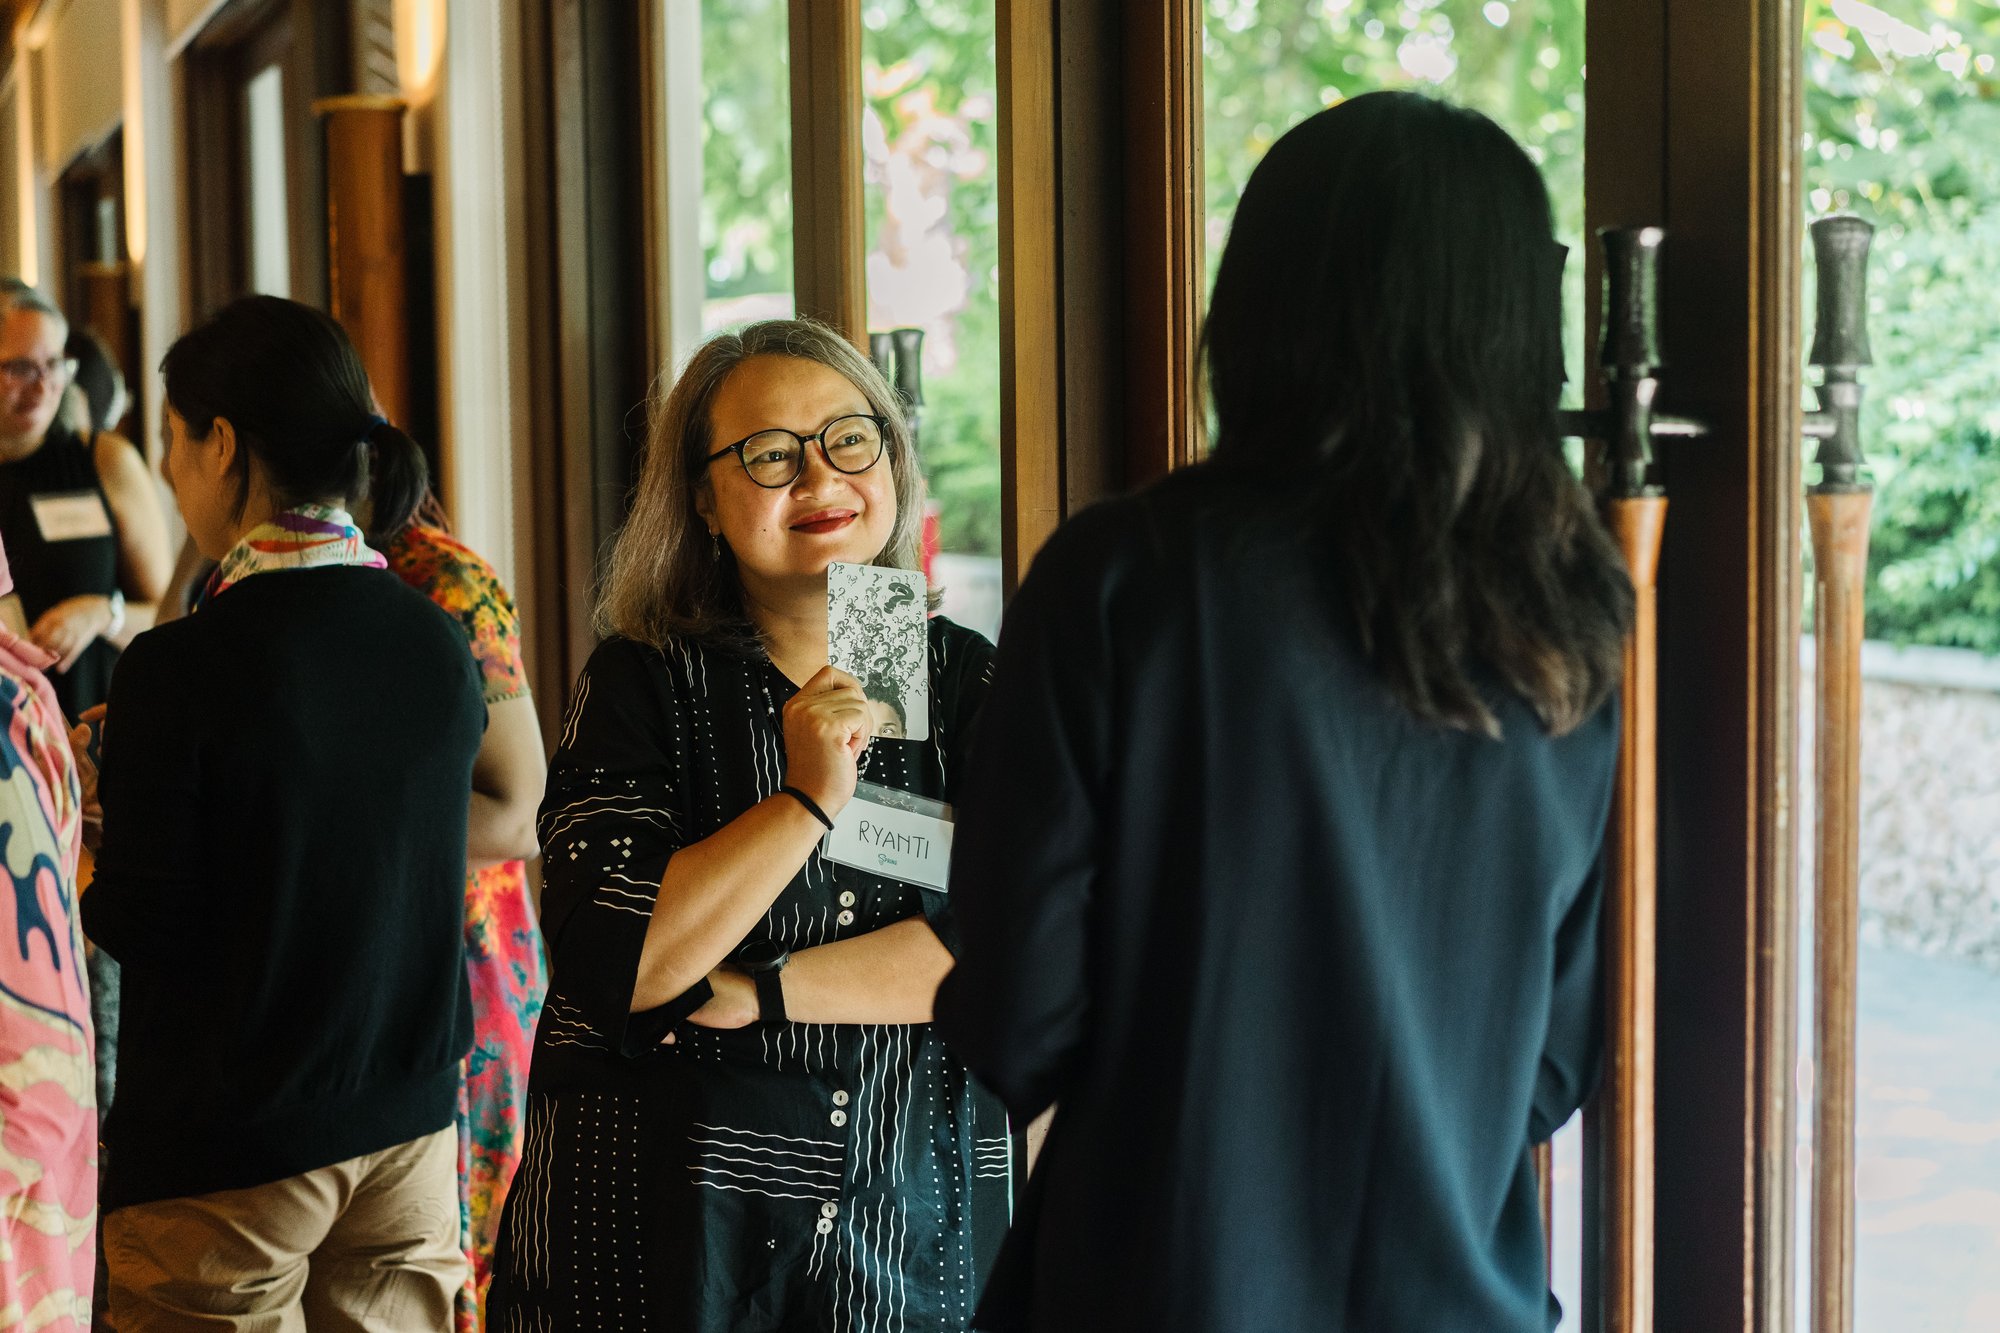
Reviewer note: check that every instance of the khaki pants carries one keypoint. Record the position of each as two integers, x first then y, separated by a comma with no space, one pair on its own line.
369,1245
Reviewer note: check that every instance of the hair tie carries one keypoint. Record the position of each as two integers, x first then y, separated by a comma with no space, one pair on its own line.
375,423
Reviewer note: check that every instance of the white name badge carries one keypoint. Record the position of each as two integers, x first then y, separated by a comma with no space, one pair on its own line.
68,516
893,834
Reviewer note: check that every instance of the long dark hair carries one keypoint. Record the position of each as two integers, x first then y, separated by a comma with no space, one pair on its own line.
1385,333
294,389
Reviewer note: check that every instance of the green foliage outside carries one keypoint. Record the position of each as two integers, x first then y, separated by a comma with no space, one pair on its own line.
1903,117
746,154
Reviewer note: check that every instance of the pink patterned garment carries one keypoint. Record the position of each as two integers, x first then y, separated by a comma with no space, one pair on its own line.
48,1096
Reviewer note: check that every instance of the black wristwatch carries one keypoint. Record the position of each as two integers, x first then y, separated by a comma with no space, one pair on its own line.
764,960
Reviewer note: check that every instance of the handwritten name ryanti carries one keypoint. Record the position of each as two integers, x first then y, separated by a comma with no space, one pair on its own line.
905,844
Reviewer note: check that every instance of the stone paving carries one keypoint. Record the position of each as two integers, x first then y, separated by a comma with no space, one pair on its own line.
1927,1252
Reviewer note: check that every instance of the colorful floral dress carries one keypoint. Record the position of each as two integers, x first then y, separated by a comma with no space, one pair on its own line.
48,1088
503,943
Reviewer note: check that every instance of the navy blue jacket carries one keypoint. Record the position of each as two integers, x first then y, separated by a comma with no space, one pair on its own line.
1304,976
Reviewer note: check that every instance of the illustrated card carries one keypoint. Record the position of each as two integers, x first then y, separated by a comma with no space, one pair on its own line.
875,632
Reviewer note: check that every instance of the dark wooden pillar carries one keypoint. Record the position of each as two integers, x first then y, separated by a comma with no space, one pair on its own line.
1102,272
1165,272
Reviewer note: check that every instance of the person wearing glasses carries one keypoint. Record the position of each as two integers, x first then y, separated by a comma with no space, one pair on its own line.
78,511
739,1115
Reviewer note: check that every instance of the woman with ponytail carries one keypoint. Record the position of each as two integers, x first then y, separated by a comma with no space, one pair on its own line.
286,778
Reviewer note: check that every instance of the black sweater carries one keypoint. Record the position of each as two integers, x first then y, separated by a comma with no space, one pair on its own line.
285,786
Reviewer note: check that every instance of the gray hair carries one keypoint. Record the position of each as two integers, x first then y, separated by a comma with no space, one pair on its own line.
666,579
17,295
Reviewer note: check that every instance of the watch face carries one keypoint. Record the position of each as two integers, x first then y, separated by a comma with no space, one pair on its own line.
762,956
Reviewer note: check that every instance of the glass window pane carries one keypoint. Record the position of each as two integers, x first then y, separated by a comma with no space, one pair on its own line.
933,184
1267,64
270,222
1903,129
746,158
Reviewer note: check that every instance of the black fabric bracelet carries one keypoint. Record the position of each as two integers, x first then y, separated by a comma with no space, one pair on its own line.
812,806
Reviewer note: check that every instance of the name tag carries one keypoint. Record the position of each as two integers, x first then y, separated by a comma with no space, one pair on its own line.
893,834
68,516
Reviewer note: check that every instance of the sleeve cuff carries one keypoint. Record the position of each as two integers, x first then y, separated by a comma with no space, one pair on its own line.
647,1028
943,920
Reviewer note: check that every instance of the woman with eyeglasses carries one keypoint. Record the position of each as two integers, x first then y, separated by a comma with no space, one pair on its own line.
739,1116
78,511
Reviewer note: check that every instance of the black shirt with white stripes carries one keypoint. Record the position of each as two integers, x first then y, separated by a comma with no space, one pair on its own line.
792,1176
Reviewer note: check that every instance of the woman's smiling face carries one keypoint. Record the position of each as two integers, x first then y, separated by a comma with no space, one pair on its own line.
790,534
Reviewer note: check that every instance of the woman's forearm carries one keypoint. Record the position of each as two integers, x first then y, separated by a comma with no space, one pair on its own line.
508,776
716,890
139,617
889,975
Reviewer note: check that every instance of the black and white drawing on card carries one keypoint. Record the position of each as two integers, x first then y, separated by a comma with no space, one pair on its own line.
875,632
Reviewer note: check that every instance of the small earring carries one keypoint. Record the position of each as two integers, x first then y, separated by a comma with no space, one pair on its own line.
715,546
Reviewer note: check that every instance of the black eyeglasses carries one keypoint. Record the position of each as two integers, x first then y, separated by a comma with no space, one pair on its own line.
23,371
774,458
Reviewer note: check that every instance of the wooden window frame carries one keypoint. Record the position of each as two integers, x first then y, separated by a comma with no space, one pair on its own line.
1676,134
829,219
1102,275
1694,123
1101,261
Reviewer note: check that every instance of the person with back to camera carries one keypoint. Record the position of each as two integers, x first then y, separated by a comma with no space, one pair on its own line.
1316,743
286,781
739,1117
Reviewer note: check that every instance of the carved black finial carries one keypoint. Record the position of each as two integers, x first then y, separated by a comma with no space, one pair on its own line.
1631,352
910,365
1840,346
